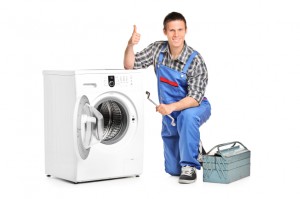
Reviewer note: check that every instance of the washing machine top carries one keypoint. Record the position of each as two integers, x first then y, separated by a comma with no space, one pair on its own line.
88,71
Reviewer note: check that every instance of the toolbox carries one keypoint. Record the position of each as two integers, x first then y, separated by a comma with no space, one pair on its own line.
226,165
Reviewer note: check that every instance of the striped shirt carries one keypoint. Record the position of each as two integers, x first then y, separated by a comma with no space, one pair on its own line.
197,76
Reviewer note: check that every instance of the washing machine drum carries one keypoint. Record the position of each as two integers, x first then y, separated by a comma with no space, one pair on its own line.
115,121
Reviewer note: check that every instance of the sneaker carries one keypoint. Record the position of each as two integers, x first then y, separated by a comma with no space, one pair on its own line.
188,175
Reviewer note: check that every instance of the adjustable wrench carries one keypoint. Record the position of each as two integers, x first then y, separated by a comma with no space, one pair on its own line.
148,97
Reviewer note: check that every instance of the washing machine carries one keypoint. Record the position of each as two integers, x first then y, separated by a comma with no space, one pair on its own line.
93,124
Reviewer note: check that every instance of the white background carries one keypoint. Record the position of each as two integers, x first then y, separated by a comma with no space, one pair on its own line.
251,49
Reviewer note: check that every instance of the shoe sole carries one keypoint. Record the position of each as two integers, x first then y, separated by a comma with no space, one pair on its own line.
186,181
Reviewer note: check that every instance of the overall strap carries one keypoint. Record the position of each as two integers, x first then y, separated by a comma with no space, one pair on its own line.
161,55
189,61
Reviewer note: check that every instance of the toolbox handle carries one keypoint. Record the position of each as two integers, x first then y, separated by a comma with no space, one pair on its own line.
228,143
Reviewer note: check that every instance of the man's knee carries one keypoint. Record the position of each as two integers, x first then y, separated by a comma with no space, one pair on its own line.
197,115
173,172
188,115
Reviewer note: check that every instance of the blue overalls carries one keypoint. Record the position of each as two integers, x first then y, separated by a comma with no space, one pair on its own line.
181,142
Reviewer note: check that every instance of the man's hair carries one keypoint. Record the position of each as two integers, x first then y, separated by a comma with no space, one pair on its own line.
172,17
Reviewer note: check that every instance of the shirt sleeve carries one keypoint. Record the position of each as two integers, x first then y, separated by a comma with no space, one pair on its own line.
197,79
144,58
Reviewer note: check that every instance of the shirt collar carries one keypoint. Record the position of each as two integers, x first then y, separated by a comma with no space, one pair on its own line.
182,57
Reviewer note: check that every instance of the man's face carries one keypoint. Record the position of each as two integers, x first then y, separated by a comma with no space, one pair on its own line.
175,32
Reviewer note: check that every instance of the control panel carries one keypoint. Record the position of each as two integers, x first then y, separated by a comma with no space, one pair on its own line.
118,80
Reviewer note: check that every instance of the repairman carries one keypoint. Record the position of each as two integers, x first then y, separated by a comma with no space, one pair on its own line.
181,78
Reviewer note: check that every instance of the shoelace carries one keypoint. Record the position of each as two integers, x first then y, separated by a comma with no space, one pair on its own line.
187,170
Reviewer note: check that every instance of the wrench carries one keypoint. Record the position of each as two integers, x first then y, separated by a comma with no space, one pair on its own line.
148,97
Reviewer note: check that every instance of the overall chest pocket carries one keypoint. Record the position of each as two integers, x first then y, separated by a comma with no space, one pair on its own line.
171,90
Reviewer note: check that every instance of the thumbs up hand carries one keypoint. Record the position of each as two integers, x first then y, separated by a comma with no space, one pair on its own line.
135,37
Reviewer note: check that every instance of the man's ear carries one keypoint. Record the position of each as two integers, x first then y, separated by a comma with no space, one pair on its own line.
165,32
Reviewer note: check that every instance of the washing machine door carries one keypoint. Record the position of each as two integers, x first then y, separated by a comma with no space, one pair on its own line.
89,126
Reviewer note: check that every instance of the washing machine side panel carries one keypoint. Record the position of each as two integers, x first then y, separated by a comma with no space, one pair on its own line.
59,101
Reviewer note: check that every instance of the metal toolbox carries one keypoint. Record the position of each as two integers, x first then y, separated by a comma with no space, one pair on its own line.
226,165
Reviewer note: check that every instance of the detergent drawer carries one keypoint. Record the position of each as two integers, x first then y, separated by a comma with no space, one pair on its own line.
227,165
